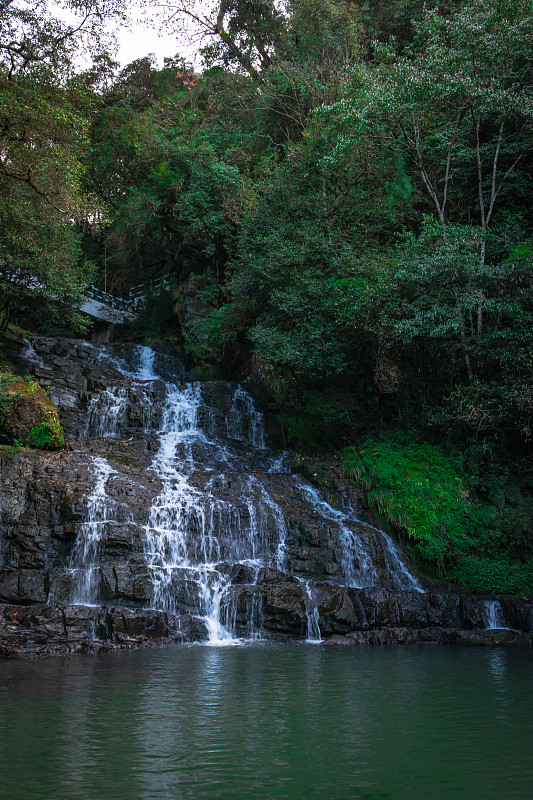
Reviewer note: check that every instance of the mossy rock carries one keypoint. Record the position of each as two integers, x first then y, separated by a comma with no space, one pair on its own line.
28,417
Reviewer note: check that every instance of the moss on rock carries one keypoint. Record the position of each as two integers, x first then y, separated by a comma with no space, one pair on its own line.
28,417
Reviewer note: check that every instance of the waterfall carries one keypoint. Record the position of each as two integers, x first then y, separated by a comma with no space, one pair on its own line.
311,611
192,534
145,370
360,553
106,413
278,465
244,422
31,355
84,559
213,516
493,616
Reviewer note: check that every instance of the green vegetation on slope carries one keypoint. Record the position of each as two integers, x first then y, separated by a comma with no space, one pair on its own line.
478,539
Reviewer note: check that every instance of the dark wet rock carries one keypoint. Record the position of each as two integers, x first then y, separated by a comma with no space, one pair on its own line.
284,608
129,582
185,594
330,478
376,608
241,574
517,613
490,638
23,586
388,636
379,608
243,608
38,630
471,611
190,628
343,610
269,575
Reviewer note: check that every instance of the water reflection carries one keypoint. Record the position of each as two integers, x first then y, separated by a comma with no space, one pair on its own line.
265,721
497,661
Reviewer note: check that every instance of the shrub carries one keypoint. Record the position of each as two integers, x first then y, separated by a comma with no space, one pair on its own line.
471,532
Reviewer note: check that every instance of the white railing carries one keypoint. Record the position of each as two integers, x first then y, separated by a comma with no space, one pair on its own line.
129,306
139,293
108,306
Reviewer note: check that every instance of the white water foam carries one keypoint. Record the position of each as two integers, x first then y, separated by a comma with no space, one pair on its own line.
243,422
210,516
106,413
191,532
313,618
493,616
84,558
30,354
358,559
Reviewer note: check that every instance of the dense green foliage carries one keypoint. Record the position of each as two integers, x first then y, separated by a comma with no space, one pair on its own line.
470,530
341,199
44,127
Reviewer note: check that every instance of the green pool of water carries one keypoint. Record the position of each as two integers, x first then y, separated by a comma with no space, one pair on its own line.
269,721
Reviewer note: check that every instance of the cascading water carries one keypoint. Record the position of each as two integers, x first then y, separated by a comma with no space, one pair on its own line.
194,533
84,558
213,516
145,370
244,422
360,555
313,618
106,413
31,356
278,465
493,616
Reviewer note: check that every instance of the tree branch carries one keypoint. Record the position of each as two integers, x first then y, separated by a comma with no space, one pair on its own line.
26,177
493,192
476,121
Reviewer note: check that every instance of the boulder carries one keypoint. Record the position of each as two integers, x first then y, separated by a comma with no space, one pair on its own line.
28,417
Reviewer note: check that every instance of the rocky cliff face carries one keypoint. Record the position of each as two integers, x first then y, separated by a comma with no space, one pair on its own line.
105,545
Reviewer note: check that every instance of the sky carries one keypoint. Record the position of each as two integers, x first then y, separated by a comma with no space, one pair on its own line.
139,38
139,41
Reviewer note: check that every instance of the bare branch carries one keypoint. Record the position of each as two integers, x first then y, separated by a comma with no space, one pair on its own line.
425,177
449,158
476,121
215,27
493,192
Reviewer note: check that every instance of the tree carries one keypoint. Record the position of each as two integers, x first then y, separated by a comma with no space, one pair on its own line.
308,66
171,155
44,112
458,107
240,34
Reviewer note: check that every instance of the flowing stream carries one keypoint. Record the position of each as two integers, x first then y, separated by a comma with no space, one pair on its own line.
493,616
198,533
